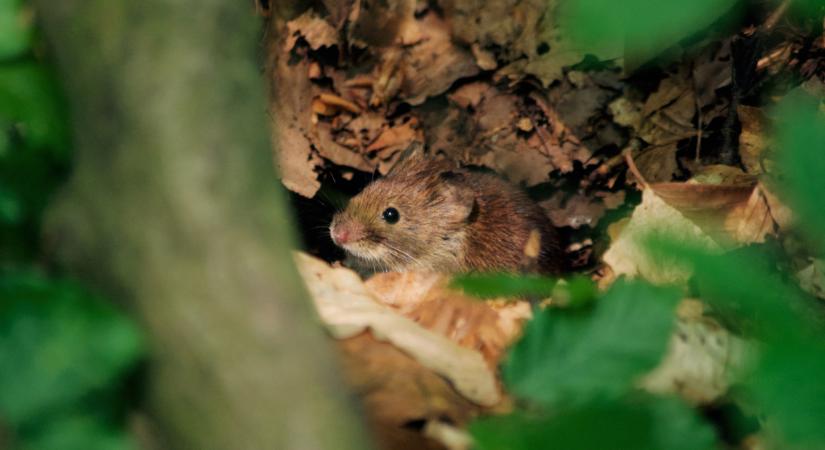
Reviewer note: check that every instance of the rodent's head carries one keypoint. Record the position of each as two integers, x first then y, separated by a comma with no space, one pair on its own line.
416,217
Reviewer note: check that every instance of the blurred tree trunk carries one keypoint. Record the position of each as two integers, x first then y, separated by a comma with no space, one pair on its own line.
174,208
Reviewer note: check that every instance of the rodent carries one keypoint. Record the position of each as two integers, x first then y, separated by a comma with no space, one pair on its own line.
429,214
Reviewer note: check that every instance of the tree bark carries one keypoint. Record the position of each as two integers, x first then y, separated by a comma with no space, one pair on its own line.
174,208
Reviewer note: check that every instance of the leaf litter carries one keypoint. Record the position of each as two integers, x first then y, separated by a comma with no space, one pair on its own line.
612,159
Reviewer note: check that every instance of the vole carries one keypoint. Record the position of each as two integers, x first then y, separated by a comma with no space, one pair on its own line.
429,214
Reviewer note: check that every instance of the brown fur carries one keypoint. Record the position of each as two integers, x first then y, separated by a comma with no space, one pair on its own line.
451,220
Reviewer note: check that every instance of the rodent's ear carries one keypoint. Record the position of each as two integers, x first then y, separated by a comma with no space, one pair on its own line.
464,200
409,157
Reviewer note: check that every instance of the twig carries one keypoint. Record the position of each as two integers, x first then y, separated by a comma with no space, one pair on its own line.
633,169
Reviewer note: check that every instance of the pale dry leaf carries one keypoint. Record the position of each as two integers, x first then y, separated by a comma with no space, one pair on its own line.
452,437
751,221
625,112
781,213
348,308
812,278
628,255
702,359
314,29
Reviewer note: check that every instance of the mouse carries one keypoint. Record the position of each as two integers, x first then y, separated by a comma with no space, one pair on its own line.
432,214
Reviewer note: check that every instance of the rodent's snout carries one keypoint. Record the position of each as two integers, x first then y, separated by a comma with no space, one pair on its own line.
344,232
339,234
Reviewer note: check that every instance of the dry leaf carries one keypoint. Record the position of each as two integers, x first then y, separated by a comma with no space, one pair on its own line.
812,278
702,358
315,30
658,163
627,254
347,308
488,327
731,214
752,142
434,63
397,393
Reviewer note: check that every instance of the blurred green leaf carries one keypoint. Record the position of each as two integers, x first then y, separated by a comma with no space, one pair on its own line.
57,345
10,208
30,99
77,432
785,383
573,357
660,424
577,292
504,285
645,27
15,28
800,140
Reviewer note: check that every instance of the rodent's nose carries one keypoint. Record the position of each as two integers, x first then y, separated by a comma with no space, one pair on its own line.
340,235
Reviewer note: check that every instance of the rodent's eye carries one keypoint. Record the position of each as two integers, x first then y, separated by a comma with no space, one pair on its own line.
390,215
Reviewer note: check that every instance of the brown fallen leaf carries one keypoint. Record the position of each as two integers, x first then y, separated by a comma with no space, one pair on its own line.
752,141
309,26
347,308
731,214
431,65
397,393
658,163
396,138
488,327
668,112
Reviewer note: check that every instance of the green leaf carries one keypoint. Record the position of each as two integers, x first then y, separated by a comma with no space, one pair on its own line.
801,144
577,292
653,424
504,285
573,357
785,383
57,345
76,432
11,211
15,28
646,27
30,99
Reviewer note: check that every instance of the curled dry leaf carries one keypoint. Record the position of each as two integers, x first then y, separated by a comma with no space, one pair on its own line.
702,359
488,327
732,214
628,255
347,308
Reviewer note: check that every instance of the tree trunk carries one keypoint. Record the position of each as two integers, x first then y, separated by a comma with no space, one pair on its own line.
174,209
